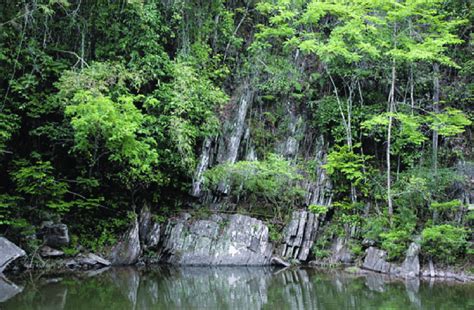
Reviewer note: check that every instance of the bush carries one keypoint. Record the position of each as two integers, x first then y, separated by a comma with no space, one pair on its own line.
444,242
395,242
274,181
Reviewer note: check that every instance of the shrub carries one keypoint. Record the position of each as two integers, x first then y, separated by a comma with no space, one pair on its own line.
395,242
444,242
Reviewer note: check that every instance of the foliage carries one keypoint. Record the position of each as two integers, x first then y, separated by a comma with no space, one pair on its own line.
444,243
273,181
318,209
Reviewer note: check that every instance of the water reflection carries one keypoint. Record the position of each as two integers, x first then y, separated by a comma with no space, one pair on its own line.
231,288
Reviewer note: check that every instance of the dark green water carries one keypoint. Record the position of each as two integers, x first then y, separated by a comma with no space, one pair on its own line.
231,288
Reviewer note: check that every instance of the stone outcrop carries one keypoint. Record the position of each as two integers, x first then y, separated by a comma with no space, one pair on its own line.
127,250
299,235
340,252
55,235
149,231
8,253
220,240
375,260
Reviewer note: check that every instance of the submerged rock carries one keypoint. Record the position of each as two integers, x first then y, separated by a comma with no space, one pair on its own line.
219,240
55,235
127,250
8,253
299,235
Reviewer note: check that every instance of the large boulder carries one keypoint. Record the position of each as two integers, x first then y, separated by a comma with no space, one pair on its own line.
127,250
55,235
219,240
375,260
299,235
8,253
411,264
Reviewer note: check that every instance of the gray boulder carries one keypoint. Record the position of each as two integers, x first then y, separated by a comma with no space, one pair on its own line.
411,265
127,250
219,240
149,231
340,252
299,235
8,253
375,260
55,235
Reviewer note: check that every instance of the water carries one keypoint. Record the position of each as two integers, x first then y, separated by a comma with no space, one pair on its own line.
232,288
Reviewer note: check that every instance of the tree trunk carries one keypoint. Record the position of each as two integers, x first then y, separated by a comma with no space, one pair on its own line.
435,110
391,103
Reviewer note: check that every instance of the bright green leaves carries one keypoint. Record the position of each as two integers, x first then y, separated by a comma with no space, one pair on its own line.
407,129
274,181
350,166
104,127
186,111
444,242
36,180
449,123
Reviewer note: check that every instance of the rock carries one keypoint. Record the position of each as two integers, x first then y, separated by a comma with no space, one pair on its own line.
55,235
8,253
8,289
219,240
411,265
340,252
87,261
280,262
375,260
47,251
144,223
299,235
127,250
153,236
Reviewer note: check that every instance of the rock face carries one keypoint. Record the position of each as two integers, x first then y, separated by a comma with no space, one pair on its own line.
375,260
219,240
149,231
299,235
55,235
8,253
411,264
127,250
340,252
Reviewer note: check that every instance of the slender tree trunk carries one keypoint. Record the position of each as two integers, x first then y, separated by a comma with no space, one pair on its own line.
391,103
435,110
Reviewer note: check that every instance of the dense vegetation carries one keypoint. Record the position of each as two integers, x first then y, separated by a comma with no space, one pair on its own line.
105,106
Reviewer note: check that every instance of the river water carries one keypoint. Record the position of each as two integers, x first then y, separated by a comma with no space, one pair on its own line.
230,288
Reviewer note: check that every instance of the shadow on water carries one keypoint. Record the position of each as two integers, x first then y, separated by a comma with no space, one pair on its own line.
228,288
